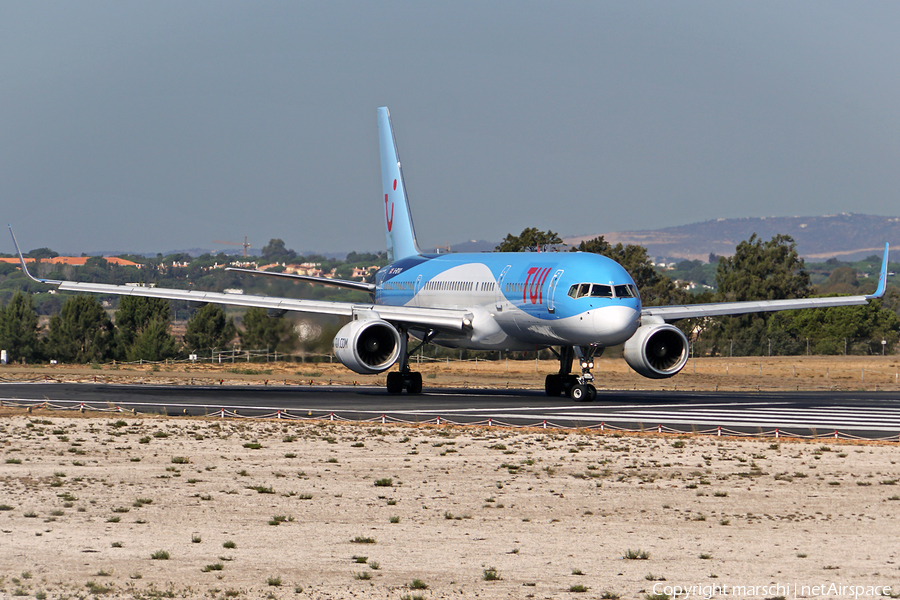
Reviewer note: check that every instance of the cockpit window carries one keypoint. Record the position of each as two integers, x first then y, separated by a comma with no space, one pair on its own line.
624,291
598,290
580,290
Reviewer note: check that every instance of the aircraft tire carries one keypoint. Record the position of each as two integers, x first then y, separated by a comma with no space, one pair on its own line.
394,383
415,383
579,393
553,385
591,393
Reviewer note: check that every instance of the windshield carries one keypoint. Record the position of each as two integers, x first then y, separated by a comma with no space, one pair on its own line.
600,290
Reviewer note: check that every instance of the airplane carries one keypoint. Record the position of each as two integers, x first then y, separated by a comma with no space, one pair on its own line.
575,304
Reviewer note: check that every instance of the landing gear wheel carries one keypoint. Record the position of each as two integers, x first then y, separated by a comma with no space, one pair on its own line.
591,392
579,393
394,383
415,383
553,385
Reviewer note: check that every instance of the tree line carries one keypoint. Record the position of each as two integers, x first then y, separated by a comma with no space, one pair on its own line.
83,332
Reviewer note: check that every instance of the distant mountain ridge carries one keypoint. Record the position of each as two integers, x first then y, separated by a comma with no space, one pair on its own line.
846,236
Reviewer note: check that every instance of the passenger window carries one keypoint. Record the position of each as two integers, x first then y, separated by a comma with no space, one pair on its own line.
599,290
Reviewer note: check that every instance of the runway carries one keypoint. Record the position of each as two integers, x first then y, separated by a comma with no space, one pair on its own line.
862,414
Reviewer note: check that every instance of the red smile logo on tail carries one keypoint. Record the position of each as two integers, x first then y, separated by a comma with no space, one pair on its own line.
389,219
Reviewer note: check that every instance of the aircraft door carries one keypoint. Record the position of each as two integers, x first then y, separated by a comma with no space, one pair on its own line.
551,292
498,294
416,290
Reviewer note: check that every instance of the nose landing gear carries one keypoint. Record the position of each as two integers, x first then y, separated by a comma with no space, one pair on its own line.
580,389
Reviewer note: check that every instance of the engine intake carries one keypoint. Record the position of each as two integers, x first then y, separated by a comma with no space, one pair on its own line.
367,346
657,351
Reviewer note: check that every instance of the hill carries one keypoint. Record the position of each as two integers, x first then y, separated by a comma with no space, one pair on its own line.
847,236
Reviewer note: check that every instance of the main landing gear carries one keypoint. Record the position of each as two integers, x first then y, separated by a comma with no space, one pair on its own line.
580,389
404,379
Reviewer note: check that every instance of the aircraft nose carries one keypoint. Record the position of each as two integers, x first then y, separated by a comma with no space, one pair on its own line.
615,324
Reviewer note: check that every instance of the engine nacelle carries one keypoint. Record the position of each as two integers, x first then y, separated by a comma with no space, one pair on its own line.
367,346
657,351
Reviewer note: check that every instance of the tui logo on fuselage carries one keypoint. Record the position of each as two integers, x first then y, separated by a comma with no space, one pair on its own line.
534,285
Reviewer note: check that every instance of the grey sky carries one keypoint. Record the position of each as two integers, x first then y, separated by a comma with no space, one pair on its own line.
150,126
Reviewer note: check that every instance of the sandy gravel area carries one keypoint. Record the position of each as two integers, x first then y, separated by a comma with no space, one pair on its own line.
274,509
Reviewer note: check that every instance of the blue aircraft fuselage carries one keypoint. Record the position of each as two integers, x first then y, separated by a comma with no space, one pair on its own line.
519,301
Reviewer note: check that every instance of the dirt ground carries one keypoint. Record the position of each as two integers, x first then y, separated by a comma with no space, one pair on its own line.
877,373
276,509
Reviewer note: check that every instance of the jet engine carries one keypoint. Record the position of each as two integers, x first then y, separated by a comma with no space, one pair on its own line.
657,351
367,346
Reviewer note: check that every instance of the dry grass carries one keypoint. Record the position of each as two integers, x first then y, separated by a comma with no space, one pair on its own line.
766,373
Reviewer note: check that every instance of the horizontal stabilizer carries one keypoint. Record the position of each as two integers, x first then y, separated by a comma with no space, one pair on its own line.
341,283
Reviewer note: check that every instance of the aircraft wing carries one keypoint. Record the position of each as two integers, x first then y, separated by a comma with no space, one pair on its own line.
442,319
718,309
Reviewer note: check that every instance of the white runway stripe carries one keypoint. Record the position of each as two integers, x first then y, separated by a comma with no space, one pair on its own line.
838,417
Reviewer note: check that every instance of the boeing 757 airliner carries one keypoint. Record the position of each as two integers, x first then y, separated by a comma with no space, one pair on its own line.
574,304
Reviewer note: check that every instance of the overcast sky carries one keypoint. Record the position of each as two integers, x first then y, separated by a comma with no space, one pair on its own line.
153,126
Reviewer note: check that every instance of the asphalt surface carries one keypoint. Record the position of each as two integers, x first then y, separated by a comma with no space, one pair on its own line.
873,415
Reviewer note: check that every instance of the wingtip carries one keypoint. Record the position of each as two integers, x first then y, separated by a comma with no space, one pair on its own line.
883,275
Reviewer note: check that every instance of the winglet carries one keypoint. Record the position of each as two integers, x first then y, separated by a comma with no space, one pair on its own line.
882,277
22,260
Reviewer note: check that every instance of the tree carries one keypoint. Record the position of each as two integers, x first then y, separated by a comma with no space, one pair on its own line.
81,332
134,315
261,331
758,271
42,253
842,280
19,329
209,328
854,329
276,249
154,343
655,289
763,271
529,240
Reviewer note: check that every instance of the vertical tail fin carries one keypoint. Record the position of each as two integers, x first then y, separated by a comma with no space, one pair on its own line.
401,235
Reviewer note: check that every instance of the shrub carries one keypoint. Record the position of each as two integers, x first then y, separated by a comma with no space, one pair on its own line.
578,588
